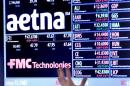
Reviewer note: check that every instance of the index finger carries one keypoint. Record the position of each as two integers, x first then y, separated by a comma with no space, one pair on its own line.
60,73
68,74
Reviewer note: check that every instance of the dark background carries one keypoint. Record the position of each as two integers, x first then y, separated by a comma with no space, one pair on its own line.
42,6
43,54
1,45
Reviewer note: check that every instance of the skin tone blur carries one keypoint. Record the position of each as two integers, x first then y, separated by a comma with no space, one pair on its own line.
67,81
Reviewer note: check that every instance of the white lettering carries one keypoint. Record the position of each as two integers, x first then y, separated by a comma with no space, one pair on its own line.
46,21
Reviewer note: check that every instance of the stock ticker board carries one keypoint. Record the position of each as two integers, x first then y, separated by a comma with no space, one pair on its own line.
91,37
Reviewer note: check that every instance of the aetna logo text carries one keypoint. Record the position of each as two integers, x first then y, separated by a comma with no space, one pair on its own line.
47,21
20,63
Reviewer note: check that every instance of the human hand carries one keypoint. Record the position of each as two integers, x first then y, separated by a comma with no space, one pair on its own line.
67,81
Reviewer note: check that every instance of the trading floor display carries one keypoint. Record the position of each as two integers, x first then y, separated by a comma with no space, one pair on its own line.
91,37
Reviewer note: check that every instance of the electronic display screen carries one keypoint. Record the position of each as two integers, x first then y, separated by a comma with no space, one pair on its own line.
91,37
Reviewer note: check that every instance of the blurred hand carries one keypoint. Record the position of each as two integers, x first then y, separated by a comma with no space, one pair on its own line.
67,81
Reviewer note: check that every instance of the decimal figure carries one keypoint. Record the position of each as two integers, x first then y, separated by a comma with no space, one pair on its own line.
67,44
101,34
101,6
67,35
50,36
34,45
99,62
102,15
101,24
101,0
34,1
15,46
104,53
101,43
51,44
76,1
101,71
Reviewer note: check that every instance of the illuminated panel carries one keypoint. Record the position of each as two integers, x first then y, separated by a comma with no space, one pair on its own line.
91,37
38,37
101,40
